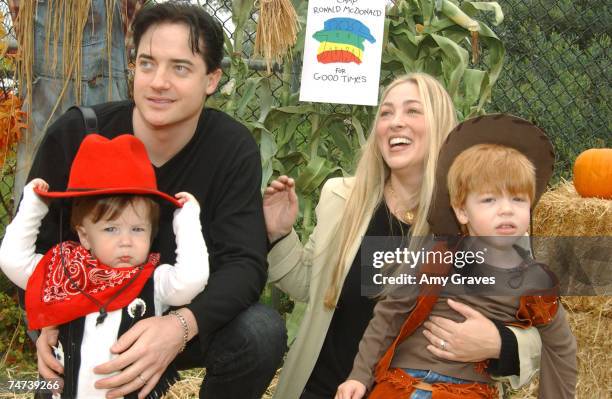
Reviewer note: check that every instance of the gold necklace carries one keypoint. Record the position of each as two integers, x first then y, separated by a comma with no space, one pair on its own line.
406,216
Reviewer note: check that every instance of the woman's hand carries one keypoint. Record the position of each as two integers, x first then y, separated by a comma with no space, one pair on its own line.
280,207
49,367
473,340
350,389
145,351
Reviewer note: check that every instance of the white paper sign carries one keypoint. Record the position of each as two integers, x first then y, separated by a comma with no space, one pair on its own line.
342,51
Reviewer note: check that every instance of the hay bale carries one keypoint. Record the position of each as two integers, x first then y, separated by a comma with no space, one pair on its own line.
189,385
563,212
590,319
573,236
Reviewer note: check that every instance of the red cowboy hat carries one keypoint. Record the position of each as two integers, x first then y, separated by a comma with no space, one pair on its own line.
103,167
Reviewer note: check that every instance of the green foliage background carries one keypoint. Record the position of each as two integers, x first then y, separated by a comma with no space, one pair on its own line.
556,72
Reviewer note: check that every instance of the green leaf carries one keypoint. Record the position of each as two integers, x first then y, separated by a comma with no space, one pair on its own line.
407,41
340,137
359,129
229,47
241,11
457,61
250,86
453,12
441,24
471,8
495,60
291,161
265,99
267,171
406,61
289,130
313,175
315,133
472,82
427,7
267,145
496,52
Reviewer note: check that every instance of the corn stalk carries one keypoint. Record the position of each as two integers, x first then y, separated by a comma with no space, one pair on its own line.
313,142
437,37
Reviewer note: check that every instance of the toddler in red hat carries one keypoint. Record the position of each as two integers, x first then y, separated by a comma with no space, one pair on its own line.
97,288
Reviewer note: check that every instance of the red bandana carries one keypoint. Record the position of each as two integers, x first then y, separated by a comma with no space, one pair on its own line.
52,298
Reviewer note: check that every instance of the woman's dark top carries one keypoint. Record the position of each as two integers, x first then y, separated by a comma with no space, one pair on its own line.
352,315
354,311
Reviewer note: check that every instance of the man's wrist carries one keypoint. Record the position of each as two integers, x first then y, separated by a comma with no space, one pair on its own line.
192,324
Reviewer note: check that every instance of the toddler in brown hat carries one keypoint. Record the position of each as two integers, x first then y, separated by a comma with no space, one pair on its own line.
491,172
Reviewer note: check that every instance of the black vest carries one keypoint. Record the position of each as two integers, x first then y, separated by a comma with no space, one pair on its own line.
71,337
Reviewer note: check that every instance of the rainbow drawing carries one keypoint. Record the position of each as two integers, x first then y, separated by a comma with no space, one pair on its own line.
341,40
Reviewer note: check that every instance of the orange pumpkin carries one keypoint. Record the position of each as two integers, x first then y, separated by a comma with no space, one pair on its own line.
593,173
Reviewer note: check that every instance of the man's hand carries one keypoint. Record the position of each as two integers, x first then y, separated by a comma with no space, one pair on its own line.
145,351
350,389
49,367
473,340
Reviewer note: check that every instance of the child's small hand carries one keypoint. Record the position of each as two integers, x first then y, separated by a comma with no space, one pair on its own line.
184,197
32,190
40,185
350,389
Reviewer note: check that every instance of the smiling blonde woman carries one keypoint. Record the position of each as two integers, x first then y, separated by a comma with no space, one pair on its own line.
390,192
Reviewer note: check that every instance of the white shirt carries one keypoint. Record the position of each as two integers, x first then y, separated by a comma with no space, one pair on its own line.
174,285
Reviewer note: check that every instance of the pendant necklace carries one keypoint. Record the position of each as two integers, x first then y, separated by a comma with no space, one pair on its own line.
406,216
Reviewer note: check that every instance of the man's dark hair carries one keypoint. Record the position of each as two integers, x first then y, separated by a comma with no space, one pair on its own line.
202,27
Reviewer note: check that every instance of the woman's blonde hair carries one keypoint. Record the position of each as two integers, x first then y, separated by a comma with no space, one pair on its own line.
372,173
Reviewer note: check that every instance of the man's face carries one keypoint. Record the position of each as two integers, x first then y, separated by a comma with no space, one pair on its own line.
170,83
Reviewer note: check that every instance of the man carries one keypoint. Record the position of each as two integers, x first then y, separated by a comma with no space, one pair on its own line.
205,152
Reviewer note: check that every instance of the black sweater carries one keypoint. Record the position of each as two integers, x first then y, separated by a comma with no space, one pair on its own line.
220,166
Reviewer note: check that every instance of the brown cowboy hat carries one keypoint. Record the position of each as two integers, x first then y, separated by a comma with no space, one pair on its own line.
105,167
502,129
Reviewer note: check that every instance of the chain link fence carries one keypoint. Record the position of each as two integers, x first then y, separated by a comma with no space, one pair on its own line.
557,74
557,71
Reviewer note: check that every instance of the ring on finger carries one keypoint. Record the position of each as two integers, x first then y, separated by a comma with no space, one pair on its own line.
442,344
142,379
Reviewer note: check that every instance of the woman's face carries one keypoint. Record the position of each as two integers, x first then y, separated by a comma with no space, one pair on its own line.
401,131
